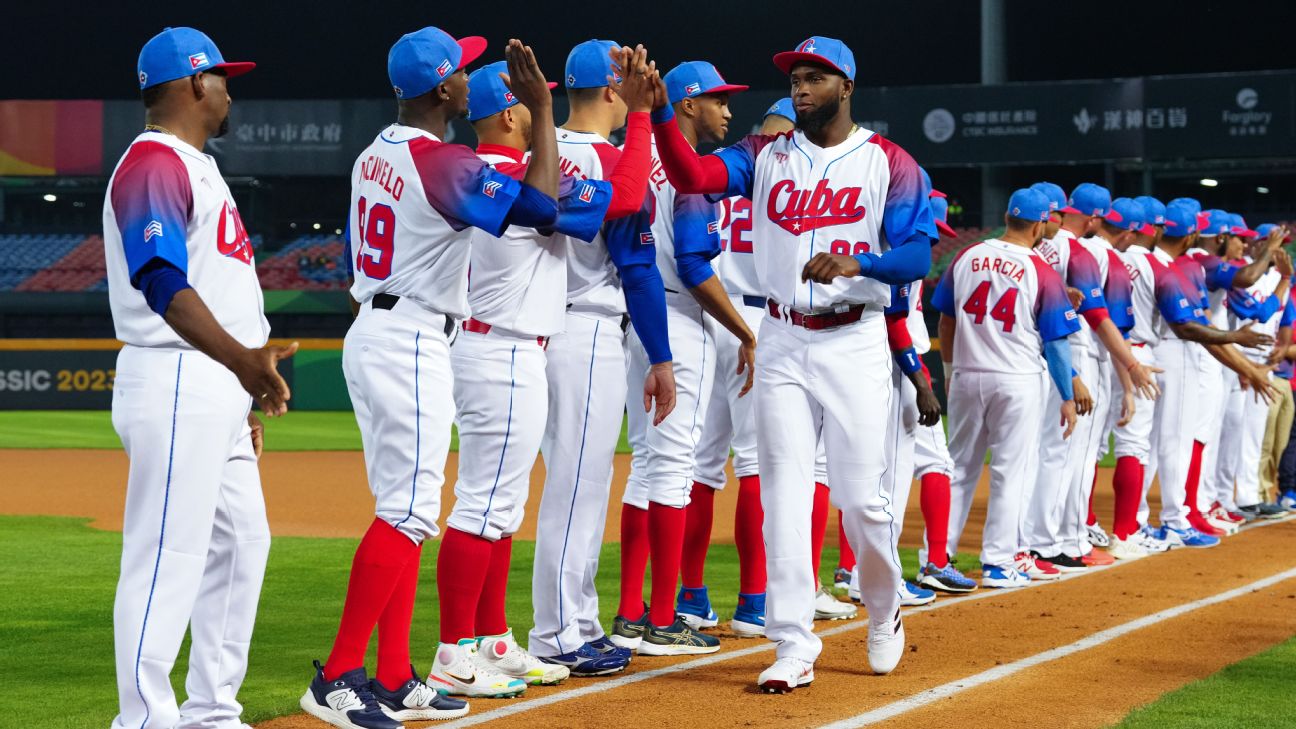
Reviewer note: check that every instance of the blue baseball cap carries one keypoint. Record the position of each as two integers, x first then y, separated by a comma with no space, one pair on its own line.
423,60
182,52
1264,229
1056,197
1029,204
932,191
1154,211
1217,222
823,51
1191,202
940,211
1240,228
1090,199
695,78
783,108
1126,214
1180,220
589,65
487,94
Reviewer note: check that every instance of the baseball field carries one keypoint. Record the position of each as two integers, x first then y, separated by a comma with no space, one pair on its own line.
1191,638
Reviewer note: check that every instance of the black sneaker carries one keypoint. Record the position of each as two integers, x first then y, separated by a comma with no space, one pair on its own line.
677,639
1250,513
1064,562
346,702
416,701
628,634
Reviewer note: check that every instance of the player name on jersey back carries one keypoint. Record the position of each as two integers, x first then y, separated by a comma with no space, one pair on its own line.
592,281
166,200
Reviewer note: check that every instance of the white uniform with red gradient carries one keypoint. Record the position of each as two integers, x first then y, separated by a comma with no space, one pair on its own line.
413,200
194,536
1006,302
862,195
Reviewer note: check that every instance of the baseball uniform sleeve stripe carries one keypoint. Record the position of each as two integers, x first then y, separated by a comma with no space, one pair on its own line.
152,201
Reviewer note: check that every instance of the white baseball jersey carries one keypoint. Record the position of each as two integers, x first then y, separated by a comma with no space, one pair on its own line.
518,281
736,265
864,195
1158,297
684,228
412,197
592,281
1007,302
167,200
1079,270
917,324
1100,249
1260,304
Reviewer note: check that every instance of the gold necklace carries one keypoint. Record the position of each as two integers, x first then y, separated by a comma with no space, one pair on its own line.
158,128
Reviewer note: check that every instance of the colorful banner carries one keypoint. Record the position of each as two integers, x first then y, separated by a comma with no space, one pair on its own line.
44,138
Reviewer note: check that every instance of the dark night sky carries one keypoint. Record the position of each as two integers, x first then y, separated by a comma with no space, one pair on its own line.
333,49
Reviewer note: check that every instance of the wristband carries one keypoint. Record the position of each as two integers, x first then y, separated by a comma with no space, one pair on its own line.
947,368
663,115
908,361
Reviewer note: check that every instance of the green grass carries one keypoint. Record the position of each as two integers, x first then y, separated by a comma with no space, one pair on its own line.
296,431
66,573
1255,692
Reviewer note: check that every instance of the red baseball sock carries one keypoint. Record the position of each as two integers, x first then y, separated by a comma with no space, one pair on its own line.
460,580
375,572
1194,481
818,525
665,543
697,534
1128,484
394,628
934,498
491,619
634,560
749,518
1093,518
845,555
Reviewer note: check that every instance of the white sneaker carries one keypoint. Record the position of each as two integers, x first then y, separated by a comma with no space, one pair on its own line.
1224,525
502,654
1150,541
828,607
786,674
1097,535
886,644
456,671
1126,548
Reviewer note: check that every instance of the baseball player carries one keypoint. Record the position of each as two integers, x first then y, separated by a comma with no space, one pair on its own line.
586,369
187,305
516,291
414,199
1005,319
686,232
730,424
841,215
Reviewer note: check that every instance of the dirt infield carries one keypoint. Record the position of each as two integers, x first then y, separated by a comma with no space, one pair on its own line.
951,645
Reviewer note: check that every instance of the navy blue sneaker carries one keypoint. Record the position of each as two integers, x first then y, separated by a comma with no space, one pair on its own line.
416,701
346,702
589,661
749,617
693,606
605,646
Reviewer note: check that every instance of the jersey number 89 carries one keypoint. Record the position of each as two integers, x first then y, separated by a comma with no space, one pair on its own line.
377,240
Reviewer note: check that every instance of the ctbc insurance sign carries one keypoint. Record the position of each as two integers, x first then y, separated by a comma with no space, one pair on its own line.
57,379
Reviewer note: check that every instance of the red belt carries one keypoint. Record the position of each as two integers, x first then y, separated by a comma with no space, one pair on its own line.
816,322
481,327
1138,344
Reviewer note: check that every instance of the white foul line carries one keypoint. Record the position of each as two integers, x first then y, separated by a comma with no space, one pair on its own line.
601,685
933,695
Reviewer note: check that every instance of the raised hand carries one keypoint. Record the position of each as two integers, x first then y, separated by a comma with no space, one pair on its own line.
636,87
1283,262
524,77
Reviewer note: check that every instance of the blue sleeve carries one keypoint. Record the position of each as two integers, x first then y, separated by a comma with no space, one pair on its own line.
630,239
467,191
645,296
902,264
1245,306
907,213
1057,354
531,209
1084,274
740,160
899,300
697,238
1172,302
1221,276
582,204
1268,308
943,296
151,201
1289,314
160,281
1054,315
908,360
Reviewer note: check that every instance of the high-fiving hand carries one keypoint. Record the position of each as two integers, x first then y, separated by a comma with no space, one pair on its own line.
524,77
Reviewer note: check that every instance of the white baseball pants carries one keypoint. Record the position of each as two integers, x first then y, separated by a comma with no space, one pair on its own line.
1054,484
729,422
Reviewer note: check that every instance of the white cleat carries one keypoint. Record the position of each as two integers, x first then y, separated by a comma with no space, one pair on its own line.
501,653
828,607
457,672
786,674
1129,548
886,645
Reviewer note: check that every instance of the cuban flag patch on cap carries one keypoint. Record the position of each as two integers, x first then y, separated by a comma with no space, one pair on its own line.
693,88
445,68
198,60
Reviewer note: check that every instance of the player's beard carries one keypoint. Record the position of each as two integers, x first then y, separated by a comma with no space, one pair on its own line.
814,121
223,129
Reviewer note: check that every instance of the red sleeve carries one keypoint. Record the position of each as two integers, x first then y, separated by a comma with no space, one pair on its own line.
1096,316
686,170
629,178
898,336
